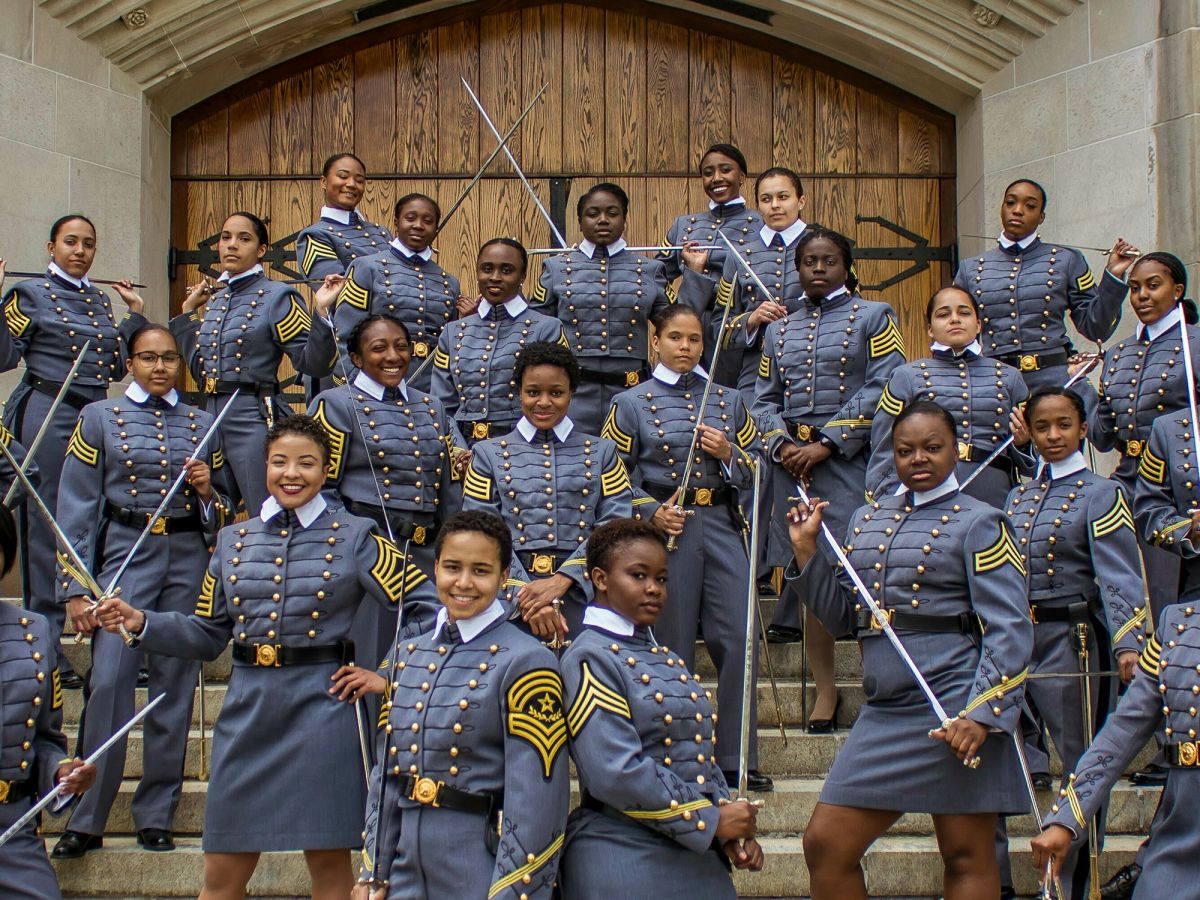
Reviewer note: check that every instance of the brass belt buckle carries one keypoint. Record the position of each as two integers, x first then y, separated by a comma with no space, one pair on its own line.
425,792
1028,362
543,563
1189,754
804,432
267,655
480,430
1134,448
876,625
1033,615
419,535
633,379
159,526
704,497
210,385
5,787
421,349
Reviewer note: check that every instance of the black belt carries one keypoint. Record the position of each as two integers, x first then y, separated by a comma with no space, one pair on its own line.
1185,754
13,791
481,431
215,386
1132,448
963,623
1079,612
537,562
971,453
275,655
162,525
806,434
428,792
72,397
402,529
628,378
695,496
1031,362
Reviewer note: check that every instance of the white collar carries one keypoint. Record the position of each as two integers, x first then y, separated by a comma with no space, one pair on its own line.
832,295
921,498
56,269
736,201
562,430
588,249
974,347
608,619
469,629
670,376
369,385
1069,466
1023,243
139,394
426,254
793,231
1154,330
514,306
257,269
336,214
307,514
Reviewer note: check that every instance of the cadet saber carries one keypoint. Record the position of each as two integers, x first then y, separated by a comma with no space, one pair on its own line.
92,280
45,426
1007,442
1018,743
552,251
516,166
1081,641
1107,251
748,664
745,264
487,162
202,775
55,792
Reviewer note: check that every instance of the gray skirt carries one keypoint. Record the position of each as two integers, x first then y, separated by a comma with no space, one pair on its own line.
1169,866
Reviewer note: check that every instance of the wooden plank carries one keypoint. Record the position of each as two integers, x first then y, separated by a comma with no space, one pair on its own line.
333,109
709,93
667,108
584,87
918,212
877,149
541,52
918,145
834,115
208,145
375,132
664,199
417,99
458,243
379,200
459,123
830,203
876,197
250,135
793,133
750,80
500,84
625,97
291,124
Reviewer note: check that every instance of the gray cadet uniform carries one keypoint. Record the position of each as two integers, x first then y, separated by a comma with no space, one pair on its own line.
1075,532
477,787
551,488
1167,491
1160,703
123,456
338,238
642,737
49,319
397,282
285,587
410,440
32,749
821,374
474,362
1142,378
652,426
249,324
1026,293
944,564
604,297
980,393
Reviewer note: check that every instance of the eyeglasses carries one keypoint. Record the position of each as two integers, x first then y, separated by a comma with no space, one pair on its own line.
147,358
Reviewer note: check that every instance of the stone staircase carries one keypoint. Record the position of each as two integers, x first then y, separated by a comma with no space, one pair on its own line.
903,864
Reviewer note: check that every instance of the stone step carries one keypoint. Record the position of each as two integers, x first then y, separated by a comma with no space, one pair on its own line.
80,655
787,810
896,866
847,662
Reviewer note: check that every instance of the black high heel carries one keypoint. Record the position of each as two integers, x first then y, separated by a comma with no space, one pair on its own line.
826,726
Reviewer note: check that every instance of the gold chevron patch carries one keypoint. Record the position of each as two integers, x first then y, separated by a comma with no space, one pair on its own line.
1150,660
764,366
1001,552
81,449
56,694
562,339
615,480
6,436
1153,469
539,294
888,402
887,341
352,293
337,441
204,603
593,695
747,435
296,322
17,321
535,862
315,250
671,293
1115,519
218,459
476,486
613,432
441,360
1086,281
389,570
535,714
385,712
414,577
724,292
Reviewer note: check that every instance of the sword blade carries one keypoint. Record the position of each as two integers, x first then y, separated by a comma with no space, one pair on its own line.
92,280
748,656
746,267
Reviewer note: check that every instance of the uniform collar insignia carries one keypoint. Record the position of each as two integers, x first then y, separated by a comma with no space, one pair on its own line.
514,306
561,431
469,629
57,271
608,619
140,395
307,514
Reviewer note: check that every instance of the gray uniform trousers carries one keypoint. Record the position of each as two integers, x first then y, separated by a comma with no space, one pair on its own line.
164,576
25,870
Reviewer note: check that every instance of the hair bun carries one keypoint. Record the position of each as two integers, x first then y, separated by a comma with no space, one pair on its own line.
1190,314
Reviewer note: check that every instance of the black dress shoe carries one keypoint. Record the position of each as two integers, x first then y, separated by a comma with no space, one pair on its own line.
784,634
766,588
826,726
70,681
156,839
755,781
1007,893
1152,776
1042,781
143,678
73,844
1121,885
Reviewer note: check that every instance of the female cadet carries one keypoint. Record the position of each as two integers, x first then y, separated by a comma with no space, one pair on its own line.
1026,288
652,426
771,253
820,378
33,748
940,564
122,458
249,323
403,280
604,297
552,483
341,235
49,319
655,808
979,392
284,586
476,787
485,344
390,462
1075,532
1142,378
